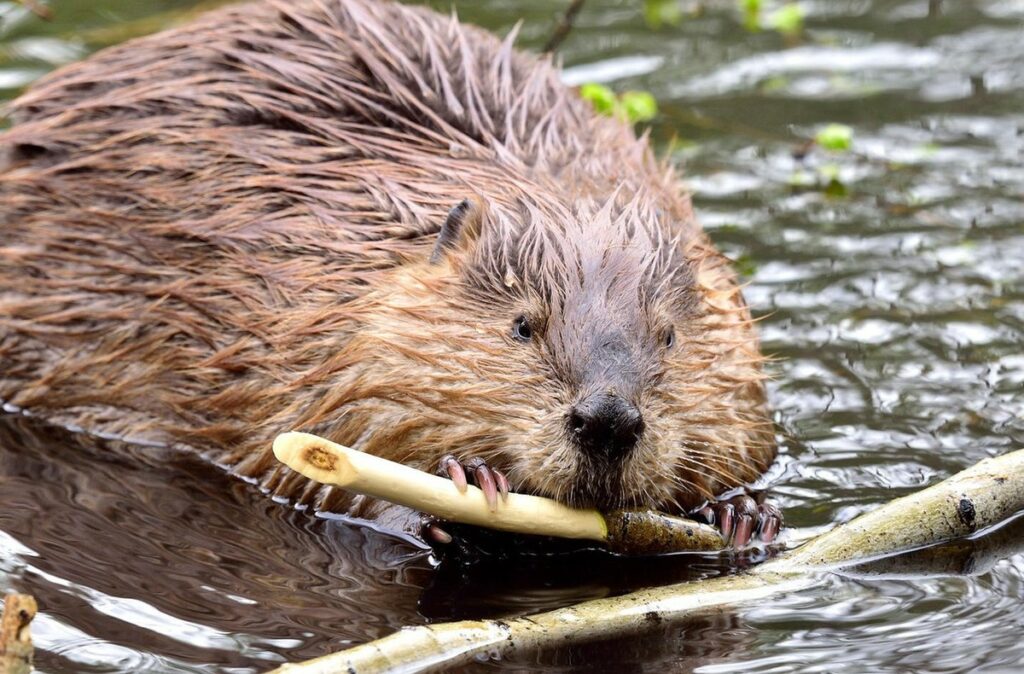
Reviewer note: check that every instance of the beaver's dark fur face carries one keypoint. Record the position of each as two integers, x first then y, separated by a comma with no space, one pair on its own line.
580,350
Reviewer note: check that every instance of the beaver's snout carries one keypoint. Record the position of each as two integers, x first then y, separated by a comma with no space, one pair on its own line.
605,426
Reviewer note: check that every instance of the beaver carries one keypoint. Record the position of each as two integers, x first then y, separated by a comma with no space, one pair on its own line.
374,223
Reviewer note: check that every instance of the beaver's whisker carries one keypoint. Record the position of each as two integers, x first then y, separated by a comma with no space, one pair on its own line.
705,467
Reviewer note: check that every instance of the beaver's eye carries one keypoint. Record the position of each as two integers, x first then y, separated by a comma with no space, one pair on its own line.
669,338
521,329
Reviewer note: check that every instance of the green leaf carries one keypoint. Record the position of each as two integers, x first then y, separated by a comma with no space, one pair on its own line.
836,190
829,173
658,13
600,96
788,19
745,265
632,106
639,106
800,178
835,137
751,10
774,84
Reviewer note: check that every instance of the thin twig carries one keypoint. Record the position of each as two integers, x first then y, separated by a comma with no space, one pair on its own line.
563,27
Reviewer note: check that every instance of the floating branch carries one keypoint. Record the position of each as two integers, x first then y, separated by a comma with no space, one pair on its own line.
628,532
974,499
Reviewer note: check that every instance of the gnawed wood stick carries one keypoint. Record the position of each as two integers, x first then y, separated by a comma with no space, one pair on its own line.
628,532
974,499
15,639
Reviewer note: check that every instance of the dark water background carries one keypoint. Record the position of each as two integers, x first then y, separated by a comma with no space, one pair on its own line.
896,311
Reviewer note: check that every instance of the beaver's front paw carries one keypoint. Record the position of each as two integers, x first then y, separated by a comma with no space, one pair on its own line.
742,518
476,472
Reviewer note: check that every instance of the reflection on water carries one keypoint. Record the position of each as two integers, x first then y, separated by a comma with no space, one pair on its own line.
896,312
162,562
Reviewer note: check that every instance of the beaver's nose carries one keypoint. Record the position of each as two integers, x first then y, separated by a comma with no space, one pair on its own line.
606,425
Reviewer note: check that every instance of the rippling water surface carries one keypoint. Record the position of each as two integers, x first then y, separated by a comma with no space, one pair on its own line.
892,297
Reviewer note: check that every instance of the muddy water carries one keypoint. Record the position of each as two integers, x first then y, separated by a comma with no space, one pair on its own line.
893,299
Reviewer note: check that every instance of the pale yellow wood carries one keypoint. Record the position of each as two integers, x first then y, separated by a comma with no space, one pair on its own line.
331,463
15,639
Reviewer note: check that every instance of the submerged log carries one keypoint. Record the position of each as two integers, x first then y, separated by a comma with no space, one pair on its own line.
979,497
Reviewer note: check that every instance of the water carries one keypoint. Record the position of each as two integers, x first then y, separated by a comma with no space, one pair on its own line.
894,303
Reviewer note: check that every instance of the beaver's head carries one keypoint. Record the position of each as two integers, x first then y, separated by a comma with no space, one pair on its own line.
599,354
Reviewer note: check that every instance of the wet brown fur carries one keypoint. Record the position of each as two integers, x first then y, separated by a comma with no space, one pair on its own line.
222,232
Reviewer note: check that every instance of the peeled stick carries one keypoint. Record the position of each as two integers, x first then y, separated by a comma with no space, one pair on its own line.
631,532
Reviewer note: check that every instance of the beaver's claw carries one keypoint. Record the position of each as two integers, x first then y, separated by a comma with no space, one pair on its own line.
492,482
476,472
742,518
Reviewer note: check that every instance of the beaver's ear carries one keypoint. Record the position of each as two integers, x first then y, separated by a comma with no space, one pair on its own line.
461,227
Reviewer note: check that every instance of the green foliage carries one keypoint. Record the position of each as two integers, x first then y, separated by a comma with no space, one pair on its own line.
801,179
835,137
829,173
745,265
639,106
632,106
836,189
659,13
826,179
774,84
601,97
751,10
788,19
829,177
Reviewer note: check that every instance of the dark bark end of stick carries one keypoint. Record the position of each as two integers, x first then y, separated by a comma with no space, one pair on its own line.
633,532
